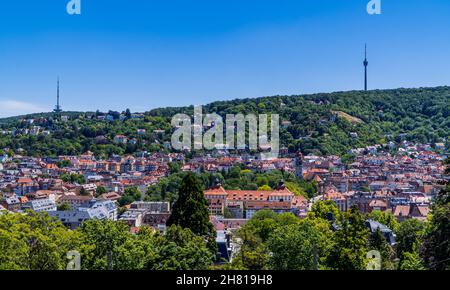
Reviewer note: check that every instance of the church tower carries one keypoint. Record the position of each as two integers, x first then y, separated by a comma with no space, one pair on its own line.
299,165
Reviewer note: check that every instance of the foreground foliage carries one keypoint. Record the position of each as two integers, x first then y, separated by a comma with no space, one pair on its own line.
36,242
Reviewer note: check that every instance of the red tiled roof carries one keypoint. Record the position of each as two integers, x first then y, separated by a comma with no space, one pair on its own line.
424,210
248,195
299,200
23,199
333,195
216,191
402,210
378,203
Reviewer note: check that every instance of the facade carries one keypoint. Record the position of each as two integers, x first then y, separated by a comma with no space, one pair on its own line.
245,203
11,203
337,197
133,218
145,213
101,210
217,197
253,207
75,201
151,206
41,205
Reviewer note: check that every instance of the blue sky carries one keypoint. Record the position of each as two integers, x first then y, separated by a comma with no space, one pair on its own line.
144,54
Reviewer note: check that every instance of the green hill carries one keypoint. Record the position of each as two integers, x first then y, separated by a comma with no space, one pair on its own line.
319,123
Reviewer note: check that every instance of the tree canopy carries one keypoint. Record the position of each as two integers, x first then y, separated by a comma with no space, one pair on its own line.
190,211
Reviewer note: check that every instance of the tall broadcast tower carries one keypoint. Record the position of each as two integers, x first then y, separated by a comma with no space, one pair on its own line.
366,63
58,107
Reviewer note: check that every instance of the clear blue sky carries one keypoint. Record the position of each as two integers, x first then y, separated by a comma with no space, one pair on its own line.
144,54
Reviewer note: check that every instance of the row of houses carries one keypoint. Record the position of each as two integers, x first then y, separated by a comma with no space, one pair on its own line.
402,205
45,185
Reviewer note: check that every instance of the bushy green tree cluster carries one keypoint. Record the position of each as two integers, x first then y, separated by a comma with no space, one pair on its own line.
282,242
130,195
319,123
73,178
36,242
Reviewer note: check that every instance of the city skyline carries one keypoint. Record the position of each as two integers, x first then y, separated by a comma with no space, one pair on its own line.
225,143
158,54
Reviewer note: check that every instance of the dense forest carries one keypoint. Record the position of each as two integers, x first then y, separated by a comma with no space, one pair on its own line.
329,123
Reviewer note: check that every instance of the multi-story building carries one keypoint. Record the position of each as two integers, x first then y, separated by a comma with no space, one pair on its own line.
98,209
41,205
245,203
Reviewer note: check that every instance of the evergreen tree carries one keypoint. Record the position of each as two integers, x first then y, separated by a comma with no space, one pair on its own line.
191,211
83,192
128,114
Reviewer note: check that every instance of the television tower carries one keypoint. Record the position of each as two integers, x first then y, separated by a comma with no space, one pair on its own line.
58,107
366,63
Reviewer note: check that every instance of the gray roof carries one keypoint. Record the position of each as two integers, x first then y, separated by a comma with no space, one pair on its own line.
374,225
74,216
94,203
387,232
96,209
